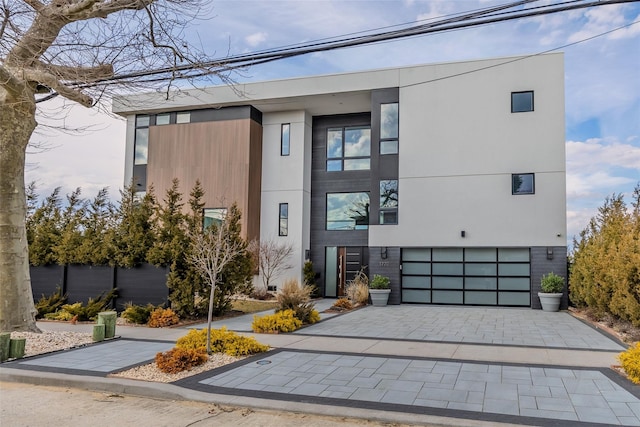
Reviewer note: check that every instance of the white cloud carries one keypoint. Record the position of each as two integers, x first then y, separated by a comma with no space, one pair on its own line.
599,20
593,155
256,39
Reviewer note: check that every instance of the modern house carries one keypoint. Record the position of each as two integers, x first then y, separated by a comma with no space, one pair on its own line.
448,178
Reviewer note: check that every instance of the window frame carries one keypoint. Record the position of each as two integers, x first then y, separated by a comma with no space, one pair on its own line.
522,93
386,208
283,219
391,139
514,191
356,227
285,146
344,158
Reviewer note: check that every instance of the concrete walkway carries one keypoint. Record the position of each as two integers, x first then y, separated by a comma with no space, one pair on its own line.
407,363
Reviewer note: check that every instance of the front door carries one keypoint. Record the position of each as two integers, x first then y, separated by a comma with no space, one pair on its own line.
342,263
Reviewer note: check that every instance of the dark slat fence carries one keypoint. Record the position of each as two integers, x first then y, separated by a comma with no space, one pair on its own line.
140,285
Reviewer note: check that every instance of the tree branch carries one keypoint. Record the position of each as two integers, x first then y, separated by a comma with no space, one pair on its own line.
35,5
51,81
84,74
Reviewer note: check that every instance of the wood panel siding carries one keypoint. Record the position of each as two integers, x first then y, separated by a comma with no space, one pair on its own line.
226,156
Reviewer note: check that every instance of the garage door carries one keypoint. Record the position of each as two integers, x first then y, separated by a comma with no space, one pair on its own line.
467,276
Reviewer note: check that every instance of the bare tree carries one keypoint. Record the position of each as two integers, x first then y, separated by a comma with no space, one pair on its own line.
212,250
79,50
272,258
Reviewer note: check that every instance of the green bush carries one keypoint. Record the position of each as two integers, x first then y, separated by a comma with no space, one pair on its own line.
89,311
60,315
379,282
281,321
50,304
138,314
552,283
222,341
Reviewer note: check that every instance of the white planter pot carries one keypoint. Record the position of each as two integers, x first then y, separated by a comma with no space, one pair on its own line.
550,302
379,297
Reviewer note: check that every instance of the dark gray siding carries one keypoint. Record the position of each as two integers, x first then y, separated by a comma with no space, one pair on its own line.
541,265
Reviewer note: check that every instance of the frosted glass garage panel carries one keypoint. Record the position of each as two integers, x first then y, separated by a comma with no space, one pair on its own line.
410,295
415,254
513,269
483,283
480,269
416,282
513,254
447,297
416,268
514,298
514,283
480,254
447,282
447,254
447,269
481,298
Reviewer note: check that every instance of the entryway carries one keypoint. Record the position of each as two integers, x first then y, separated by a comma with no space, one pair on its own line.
342,263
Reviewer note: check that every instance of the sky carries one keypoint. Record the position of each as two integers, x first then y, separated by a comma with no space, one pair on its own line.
602,83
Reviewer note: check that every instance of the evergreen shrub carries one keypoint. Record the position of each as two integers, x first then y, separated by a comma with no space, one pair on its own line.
138,314
180,359
163,317
630,361
50,304
281,321
222,341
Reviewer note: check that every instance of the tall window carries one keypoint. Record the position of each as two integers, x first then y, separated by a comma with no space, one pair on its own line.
285,141
142,140
214,216
521,101
389,128
389,201
284,220
348,148
348,211
523,183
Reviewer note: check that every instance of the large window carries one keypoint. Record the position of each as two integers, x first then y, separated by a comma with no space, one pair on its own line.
389,128
348,148
142,140
523,183
283,227
521,101
348,211
389,201
214,216
285,142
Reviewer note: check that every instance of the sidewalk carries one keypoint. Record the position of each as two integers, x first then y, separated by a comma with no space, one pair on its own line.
412,364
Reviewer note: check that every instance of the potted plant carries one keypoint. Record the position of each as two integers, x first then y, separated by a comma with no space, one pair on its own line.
551,294
379,290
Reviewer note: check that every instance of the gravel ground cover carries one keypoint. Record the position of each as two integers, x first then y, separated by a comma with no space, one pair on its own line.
49,341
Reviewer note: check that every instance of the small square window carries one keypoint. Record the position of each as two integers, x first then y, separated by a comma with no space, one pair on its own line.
522,183
285,139
389,146
521,101
184,117
163,119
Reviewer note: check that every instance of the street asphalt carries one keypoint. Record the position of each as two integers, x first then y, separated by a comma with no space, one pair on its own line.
413,364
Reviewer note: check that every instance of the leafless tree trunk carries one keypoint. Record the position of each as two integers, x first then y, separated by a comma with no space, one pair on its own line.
272,257
213,249
73,49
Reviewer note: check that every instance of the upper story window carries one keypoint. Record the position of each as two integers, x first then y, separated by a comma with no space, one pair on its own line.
141,142
348,211
521,101
389,128
213,216
285,139
163,119
183,117
523,183
349,148
283,226
389,201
